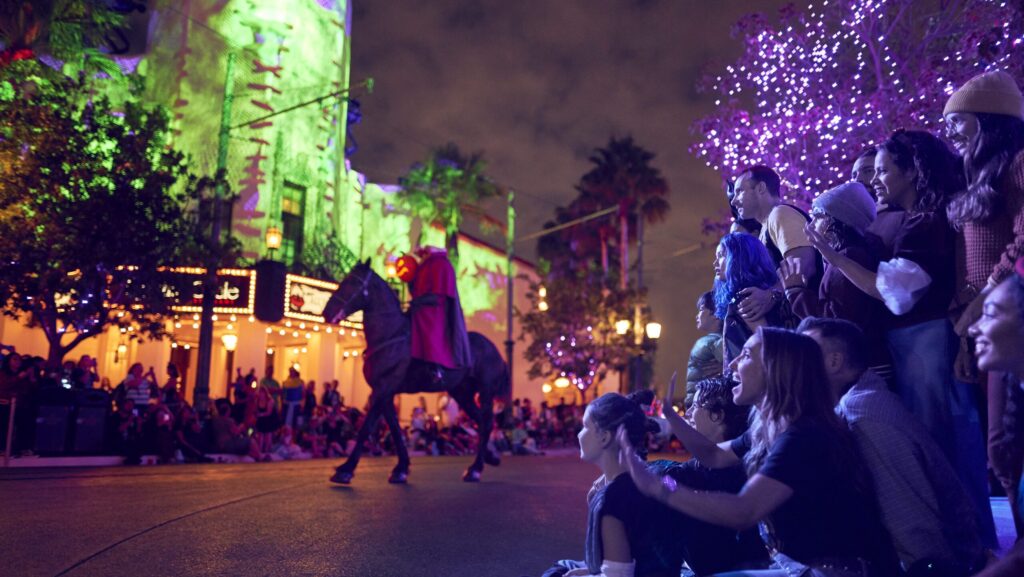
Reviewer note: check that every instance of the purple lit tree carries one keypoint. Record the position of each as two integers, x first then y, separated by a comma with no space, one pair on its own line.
812,90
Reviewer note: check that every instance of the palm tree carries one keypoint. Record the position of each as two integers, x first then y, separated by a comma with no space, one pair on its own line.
622,176
443,188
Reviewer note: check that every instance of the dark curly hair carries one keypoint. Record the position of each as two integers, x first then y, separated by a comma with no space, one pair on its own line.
714,395
611,410
938,176
988,157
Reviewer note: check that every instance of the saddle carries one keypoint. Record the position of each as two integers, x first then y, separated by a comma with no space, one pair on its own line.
426,377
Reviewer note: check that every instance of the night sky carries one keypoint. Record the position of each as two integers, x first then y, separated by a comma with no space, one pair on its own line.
537,86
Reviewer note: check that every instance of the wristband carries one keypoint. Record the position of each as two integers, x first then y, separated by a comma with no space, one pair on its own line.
668,486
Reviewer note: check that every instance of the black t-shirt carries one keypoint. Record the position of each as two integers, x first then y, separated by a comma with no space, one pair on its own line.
708,548
827,515
648,525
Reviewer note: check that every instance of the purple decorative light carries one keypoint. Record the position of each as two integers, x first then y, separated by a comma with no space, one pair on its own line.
813,89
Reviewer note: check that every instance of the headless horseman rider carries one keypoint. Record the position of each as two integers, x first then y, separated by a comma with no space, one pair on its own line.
440,344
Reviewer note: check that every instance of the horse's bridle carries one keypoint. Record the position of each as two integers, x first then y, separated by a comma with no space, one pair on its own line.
365,289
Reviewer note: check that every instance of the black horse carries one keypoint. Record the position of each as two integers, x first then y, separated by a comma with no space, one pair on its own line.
390,370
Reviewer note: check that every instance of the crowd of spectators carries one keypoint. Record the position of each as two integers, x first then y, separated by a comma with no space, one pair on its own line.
867,339
261,418
258,420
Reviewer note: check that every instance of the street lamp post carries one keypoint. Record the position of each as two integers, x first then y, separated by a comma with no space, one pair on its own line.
202,390
645,337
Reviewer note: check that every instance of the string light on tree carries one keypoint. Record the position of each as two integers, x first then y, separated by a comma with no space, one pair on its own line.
810,91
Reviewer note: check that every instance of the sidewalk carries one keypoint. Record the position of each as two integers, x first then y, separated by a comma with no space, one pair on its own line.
117,460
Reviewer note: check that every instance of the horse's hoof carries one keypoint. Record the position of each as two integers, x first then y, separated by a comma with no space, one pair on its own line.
342,478
471,476
397,478
492,459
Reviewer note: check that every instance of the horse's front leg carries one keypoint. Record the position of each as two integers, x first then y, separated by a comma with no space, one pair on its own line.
400,474
344,473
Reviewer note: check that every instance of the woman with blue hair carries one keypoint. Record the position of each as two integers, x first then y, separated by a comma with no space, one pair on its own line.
742,262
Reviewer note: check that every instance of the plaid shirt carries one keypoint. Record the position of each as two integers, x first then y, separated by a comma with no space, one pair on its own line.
923,505
992,247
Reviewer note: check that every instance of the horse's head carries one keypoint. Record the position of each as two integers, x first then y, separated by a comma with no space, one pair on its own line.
352,295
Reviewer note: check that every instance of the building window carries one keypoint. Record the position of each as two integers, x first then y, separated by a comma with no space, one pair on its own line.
293,202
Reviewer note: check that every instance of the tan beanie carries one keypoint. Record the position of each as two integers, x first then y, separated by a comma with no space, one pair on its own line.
993,92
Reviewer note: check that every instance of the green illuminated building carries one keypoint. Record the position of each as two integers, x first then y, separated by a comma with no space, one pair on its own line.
287,167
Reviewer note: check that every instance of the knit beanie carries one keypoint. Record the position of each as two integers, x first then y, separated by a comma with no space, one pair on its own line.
850,204
994,92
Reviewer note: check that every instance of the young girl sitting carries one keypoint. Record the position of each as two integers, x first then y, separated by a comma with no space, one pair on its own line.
627,532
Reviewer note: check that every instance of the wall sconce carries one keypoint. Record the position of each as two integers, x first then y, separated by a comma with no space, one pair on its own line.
273,238
561,382
654,330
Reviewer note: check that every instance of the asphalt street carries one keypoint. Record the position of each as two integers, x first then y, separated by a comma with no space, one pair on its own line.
287,519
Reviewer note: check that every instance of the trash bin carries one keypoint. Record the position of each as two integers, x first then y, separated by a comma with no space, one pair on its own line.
53,420
92,409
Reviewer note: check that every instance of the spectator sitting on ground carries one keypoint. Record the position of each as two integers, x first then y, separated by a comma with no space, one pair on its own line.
709,548
417,429
226,435
826,512
626,531
287,449
338,432
127,433
522,443
189,438
925,509
160,436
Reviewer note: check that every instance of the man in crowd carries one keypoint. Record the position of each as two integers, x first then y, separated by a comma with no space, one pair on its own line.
273,387
864,168
292,389
924,507
759,197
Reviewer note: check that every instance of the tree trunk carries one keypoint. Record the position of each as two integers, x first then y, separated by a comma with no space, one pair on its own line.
55,354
